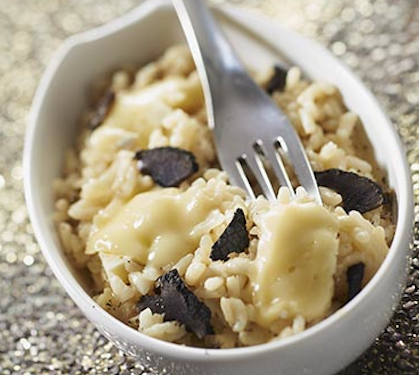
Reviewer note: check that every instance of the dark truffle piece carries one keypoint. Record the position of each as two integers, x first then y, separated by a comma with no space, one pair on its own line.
278,80
178,303
355,275
358,193
167,166
154,302
102,109
234,239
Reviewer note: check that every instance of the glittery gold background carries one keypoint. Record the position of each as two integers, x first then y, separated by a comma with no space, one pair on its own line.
41,330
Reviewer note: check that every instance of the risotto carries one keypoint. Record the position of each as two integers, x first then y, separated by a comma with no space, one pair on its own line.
178,253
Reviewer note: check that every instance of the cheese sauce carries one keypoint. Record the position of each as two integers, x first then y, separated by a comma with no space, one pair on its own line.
295,263
155,228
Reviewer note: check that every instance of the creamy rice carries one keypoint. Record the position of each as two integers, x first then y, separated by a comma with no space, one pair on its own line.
162,105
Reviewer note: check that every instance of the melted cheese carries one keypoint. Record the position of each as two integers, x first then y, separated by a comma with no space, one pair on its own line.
138,111
142,110
295,263
154,228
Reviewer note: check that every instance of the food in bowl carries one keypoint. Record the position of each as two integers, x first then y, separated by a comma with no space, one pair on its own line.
181,255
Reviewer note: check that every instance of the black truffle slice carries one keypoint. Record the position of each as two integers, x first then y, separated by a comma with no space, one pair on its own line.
178,303
234,239
154,302
355,275
278,80
167,166
358,193
102,109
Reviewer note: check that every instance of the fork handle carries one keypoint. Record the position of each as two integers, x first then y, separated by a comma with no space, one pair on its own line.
212,53
210,49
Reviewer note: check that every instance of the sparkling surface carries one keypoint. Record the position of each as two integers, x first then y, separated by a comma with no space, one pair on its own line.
41,330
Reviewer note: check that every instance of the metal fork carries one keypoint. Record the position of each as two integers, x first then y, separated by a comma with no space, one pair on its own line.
249,128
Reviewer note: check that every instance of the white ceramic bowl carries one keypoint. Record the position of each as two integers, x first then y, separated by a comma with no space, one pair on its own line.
141,36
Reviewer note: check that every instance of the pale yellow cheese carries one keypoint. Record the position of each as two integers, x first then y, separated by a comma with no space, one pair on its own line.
140,111
155,228
295,263
143,110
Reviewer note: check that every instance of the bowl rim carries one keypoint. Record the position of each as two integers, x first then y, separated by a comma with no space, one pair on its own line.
84,300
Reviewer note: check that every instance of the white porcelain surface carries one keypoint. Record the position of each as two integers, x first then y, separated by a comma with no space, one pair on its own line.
141,36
